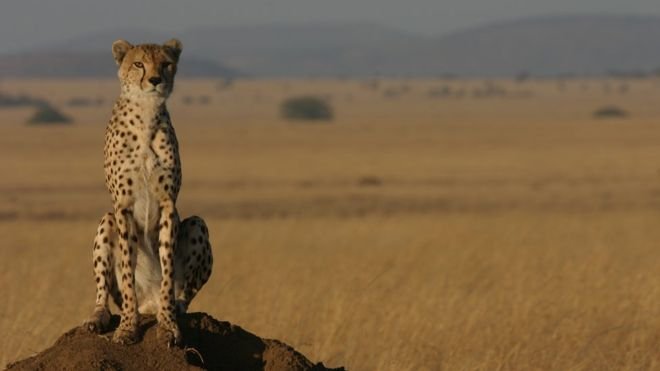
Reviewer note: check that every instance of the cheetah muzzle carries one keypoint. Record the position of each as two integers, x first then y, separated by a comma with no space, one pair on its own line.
146,258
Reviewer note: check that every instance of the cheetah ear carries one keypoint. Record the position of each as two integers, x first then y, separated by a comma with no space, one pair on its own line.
119,50
175,47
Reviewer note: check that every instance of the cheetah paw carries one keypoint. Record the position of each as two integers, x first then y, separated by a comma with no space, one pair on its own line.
169,334
125,336
98,322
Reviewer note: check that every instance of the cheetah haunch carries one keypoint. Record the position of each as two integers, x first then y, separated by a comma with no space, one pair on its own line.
144,257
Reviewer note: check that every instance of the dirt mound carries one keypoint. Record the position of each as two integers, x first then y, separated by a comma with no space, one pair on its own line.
209,344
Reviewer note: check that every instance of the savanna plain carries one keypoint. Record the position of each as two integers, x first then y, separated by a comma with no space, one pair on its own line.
431,225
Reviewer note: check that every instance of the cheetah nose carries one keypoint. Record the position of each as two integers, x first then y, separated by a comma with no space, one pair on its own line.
155,80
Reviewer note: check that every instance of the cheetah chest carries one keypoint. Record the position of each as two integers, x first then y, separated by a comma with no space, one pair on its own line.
152,173
147,195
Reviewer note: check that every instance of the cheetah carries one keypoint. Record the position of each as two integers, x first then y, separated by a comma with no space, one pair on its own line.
144,257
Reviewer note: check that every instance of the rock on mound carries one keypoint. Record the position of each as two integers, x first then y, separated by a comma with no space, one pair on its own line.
209,344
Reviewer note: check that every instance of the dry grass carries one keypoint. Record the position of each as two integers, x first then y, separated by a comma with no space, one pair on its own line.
413,233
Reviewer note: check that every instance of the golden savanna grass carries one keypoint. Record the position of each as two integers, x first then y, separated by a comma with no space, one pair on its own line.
413,232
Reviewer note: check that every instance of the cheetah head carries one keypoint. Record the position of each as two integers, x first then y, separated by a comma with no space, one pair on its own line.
147,70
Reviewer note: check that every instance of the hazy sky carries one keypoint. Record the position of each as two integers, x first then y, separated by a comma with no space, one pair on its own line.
24,23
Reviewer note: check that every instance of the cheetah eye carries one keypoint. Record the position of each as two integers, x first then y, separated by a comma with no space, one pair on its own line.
138,64
166,64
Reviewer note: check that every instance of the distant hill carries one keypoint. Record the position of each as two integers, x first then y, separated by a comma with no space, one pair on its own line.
547,46
269,50
90,56
580,45
304,49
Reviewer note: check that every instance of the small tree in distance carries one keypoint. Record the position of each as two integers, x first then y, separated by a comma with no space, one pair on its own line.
610,112
47,114
306,108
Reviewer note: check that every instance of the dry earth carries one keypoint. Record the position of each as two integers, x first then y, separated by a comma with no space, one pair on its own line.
209,345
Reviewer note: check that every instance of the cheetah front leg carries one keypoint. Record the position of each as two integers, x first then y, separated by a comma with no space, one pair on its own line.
126,333
103,257
168,330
